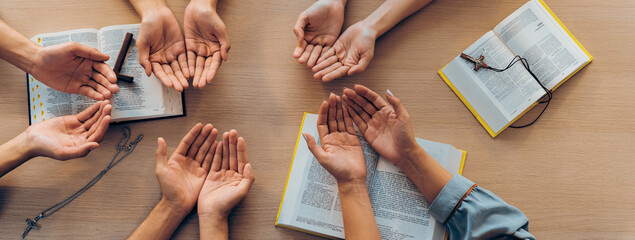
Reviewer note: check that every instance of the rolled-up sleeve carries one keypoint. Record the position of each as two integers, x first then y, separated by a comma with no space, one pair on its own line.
471,212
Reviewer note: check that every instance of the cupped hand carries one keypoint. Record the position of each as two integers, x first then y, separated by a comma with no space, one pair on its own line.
182,176
351,54
75,68
162,48
317,29
71,136
340,153
229,179
206,41
387,128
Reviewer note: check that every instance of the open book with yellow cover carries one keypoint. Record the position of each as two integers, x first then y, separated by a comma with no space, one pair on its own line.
311,204
497,99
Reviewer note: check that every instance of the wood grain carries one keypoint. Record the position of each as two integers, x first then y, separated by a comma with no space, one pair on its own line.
570,173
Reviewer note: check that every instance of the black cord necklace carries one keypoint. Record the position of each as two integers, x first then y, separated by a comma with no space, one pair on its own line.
121,146
480,63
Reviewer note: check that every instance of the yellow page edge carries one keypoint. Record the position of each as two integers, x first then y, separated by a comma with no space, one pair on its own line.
566,30
462,161
291,167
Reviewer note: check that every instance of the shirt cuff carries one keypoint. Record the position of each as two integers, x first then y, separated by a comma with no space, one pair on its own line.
450,197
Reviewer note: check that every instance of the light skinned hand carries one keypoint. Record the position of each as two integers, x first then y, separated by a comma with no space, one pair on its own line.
70,136
230,177
317,29
161,48
340,153
74,68
206,41
182,176
386,127
351,54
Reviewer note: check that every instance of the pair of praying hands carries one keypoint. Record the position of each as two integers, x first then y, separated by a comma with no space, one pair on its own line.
176,56
215,174
321,47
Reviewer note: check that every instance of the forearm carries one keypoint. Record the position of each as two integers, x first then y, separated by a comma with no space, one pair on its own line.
144,7
17,49
425,172
211,3
357,212
392,12
213,227
13,153
160,223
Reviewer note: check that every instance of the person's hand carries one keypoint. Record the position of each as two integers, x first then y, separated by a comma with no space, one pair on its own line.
206,41
387,128
162,48
341,153
182,176
229,179
351,54
75,68
71,136
317,29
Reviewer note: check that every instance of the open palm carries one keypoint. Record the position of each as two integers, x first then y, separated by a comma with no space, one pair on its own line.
70,136
317,28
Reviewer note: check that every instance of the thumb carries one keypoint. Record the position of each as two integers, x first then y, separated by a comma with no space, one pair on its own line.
88,52
248,179
400,110
162,152
317,151
361,65
224,46
144,55
298,30
77,152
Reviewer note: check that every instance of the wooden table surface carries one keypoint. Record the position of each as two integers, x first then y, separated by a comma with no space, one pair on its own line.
570,173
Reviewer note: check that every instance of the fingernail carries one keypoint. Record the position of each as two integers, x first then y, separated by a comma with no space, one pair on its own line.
305,138
389,92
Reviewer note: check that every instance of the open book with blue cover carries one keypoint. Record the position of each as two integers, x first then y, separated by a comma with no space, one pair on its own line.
311,204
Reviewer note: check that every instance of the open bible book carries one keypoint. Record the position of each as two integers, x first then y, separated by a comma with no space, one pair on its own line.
144,98
310,202
497,99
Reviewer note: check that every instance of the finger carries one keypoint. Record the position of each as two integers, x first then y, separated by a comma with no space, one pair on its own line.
317,151
90,92
93,119
178,72
233,151
332,113
364,103
161,153
361,65
188,139
225,163
76,152
88,112
329,69
207,129
191,61
371,96
298,30
323,55
299,49
330,52
248,179
218,157
314,56
182,58
144,58
98,133
213,68
203,80
160,74
322,125
225,45
178,85
355,114
204,149
209,156
335,74
339,115
200,65
348,120
106,71
400,110
99,88
101,79
88,52
324,64
306,54
242,155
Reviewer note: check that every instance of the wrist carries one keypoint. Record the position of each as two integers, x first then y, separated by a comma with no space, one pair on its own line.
356,186
411,158
210,3
212,218
343,2
172,209
147,8
22,147
369,28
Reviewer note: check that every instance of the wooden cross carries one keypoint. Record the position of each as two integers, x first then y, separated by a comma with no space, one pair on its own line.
122,56
478,62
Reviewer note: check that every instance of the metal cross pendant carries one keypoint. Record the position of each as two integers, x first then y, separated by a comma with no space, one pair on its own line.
30,225
478,62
